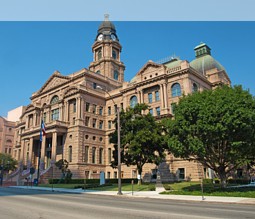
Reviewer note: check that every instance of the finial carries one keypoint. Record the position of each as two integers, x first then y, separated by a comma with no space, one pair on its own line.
106,17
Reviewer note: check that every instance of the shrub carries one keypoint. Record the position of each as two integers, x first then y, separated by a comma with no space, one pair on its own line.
207,181
167,187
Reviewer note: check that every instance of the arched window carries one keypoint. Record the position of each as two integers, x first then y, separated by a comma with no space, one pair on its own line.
176,90
194,87
54,99
98,72
116,75
133,101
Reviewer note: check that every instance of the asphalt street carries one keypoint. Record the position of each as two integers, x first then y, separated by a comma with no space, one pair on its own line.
30,204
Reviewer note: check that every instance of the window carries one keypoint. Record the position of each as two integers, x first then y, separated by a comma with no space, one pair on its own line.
94,85
151,111
133,101
100,155
100,110
181,172
108,175
239,173
194,87
134,174
176,90
73,120
115,175
94,108
87,107
54,99
70,153
54,114
86,154
114,54
44,117
109,110
109,124
99,54
100,124
93,155
150,97
116,75
173,106
115,108
74,106
109,155
158,111
86,121
121,106
94,123
98,72
157,96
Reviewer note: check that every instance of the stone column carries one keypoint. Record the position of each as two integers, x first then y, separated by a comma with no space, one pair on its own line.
54,146
142,100
31,142
22,157
82,108
139,96
78,106
165,95
162,96
66,111
43,145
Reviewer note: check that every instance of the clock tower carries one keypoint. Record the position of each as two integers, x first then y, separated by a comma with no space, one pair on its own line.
106,50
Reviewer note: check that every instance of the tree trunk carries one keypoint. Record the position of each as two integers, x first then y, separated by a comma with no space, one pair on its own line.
223,179
139,174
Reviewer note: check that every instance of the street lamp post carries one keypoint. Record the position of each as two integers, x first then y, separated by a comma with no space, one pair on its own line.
118,131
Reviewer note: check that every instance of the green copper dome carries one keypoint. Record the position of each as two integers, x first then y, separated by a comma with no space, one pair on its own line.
173,63
204,61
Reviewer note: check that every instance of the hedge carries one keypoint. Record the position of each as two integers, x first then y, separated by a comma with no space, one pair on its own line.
92,181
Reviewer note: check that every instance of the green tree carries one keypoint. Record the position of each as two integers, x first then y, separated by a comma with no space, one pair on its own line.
141,138
7,162
215,128
62,164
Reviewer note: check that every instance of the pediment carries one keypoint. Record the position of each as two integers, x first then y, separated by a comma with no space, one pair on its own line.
149,67
71,91
54,81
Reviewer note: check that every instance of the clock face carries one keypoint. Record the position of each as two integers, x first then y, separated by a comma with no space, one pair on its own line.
100,37
113,37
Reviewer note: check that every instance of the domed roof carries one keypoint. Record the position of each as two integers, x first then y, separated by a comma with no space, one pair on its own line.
204,61
106,26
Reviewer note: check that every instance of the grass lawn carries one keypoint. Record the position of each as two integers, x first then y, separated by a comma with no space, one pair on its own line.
113,187
194,188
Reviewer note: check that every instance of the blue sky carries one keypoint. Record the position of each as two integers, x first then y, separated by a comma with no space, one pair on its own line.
31,49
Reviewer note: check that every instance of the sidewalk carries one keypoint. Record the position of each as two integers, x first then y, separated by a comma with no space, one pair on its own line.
149,194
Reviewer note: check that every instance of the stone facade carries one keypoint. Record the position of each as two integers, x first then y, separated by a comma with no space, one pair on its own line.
78,116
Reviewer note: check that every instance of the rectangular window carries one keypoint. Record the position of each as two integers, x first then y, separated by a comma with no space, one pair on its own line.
94,123
93,155
115,175
73,120
108,175
150,97
94,109
87,107
157,95
100,124
134,174
54,114
44,117
101,156
100,110
109,110
86,154
86,121
109,124
74,106
121,106
109,155
151,111
115,108
70,154
94,85
181,173
158,111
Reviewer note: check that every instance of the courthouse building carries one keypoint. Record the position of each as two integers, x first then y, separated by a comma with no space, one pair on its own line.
79,117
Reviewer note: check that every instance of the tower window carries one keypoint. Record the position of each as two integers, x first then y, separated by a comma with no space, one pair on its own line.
116,75
99,54
114,54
